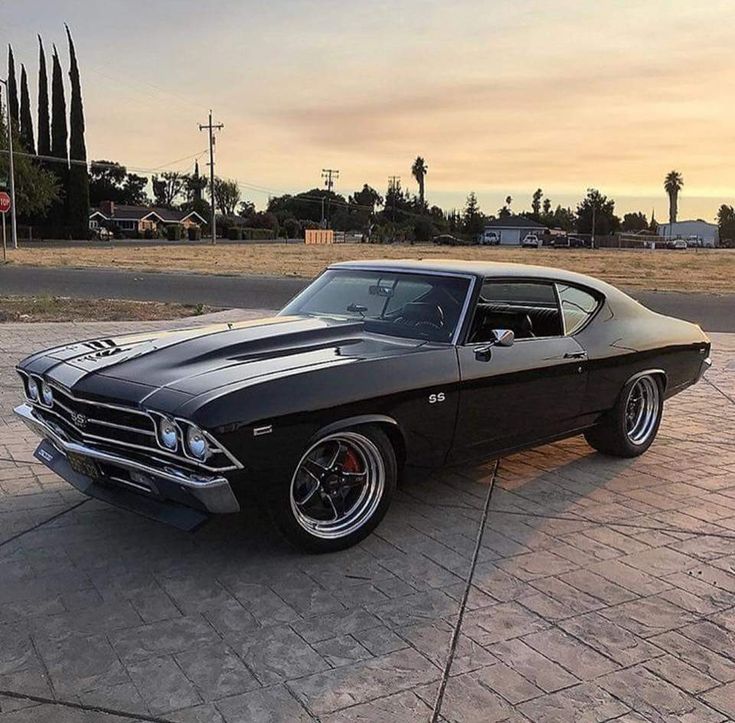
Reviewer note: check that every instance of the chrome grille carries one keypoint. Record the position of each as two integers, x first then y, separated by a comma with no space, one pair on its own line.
115,426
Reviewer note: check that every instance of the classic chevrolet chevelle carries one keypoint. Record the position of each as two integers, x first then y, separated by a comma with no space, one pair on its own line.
374,367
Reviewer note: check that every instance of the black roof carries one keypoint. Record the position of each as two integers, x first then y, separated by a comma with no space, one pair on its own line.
514,222
487,269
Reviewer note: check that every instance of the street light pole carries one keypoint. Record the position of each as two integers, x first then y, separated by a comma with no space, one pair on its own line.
11,165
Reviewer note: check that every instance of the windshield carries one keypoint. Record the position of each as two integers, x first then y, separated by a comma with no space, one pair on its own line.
417,306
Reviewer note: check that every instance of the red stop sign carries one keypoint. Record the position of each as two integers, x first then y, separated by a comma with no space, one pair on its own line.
4,202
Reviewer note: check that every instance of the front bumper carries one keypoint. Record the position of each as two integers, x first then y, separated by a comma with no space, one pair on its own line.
706,364
168,493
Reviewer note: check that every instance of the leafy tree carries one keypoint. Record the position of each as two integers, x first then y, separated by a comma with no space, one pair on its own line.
419,169
603,209
673,184
536,204
547,207
226,196
634,222
563,218
726,222
247,209
368,198
110,181
305,206
423,230
195,185
35,188
26,121
504,212
397,203
167,188
292,228
473,220
12,90
44,132
78,186
57,213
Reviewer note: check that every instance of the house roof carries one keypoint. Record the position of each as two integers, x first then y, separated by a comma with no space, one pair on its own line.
122,212
514,222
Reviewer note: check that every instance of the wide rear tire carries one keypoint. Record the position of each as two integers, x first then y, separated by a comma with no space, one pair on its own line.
339,491
629,429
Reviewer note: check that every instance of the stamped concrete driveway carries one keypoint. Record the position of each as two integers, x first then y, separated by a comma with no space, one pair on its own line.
604,590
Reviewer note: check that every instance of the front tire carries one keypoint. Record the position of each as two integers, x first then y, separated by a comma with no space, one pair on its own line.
339,491
629,429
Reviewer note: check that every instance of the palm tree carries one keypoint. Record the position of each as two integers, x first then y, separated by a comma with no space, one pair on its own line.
419,171
672,184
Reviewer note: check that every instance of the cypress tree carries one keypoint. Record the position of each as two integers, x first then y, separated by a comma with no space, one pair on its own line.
26,121
78,188
58,140
12,88
44,132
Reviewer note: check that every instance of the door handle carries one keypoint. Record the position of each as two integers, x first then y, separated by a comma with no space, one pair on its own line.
576,355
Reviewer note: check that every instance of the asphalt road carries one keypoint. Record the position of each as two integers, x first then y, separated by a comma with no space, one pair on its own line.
713,313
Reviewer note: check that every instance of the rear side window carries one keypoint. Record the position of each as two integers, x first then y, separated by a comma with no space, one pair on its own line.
577,306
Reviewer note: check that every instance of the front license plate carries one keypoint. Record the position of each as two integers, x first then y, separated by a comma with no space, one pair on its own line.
84,465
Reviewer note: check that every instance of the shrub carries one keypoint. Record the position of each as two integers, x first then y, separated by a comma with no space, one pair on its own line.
234,233
291,228
194,233
173,232
149,234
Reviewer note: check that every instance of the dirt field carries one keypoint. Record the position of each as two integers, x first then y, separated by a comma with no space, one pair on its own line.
693,270
54,308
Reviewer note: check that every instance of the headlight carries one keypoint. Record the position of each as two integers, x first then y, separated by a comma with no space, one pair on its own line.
33,389
196,442
47,395
168,434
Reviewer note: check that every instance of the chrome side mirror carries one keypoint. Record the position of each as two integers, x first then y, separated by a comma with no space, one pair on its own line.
501,337
504,337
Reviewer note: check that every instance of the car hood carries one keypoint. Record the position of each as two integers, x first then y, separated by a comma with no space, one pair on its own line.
165,369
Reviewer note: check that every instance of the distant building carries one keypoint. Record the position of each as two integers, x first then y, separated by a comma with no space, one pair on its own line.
511,230
707,233
133,219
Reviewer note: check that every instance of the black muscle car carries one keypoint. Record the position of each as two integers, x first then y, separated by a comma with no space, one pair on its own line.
374,367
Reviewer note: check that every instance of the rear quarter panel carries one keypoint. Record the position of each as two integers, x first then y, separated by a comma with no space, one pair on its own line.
625,339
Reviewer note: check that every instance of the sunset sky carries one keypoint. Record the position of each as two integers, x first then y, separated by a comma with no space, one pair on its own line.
499,97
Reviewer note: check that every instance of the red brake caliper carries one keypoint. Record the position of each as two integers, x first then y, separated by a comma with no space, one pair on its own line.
351,463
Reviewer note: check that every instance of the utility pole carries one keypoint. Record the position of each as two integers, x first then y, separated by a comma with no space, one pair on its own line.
330,175
594,212
11,167
393,183
212,127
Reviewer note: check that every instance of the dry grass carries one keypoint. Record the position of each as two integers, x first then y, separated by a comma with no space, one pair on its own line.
693,270
55,308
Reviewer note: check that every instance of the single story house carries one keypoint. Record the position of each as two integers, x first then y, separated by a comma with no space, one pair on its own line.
511,230
707,233
140,218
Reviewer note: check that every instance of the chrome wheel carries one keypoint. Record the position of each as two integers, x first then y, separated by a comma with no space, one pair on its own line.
642,410
337,485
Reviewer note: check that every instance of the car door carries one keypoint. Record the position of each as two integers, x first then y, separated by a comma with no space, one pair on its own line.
513,396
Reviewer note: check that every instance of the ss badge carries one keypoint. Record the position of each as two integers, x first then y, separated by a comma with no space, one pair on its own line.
438,397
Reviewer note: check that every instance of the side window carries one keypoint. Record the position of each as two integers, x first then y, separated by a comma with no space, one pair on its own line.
577,306
529,309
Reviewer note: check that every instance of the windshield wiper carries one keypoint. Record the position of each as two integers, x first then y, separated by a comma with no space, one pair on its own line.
357,308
